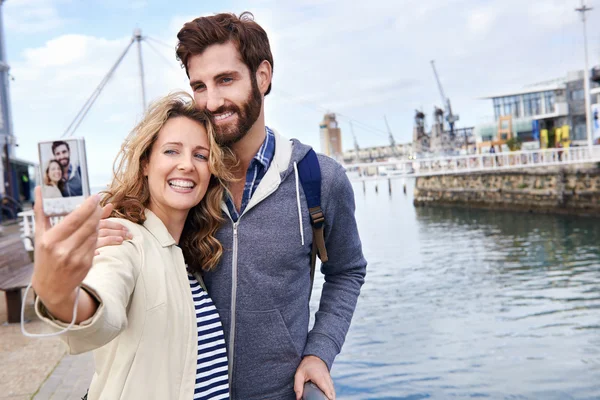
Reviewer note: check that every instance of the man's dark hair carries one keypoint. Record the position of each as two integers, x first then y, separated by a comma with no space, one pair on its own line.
249,38
59,143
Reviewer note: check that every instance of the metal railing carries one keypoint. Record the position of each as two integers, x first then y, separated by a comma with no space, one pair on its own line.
471,163
423,167
28,227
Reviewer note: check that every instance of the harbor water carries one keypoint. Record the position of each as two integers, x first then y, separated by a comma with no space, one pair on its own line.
464,303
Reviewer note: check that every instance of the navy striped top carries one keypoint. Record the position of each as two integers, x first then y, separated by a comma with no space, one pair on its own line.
212,380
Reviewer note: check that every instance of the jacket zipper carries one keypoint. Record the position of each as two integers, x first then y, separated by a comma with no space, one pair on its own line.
233,301
234,263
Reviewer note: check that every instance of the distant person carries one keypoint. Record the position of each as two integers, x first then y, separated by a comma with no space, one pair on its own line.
493,151
559,146
142,307
53,182
71,173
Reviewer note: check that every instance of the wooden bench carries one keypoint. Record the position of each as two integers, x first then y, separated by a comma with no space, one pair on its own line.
16,269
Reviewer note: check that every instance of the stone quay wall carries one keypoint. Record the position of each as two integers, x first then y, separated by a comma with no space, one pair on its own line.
569,190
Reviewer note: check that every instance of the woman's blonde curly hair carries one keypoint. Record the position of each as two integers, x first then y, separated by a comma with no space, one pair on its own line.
130,195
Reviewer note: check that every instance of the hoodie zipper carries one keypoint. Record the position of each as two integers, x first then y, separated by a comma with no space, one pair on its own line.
233,301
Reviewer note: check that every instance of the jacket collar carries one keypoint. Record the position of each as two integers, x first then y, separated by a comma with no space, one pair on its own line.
270,182
283,153
156,227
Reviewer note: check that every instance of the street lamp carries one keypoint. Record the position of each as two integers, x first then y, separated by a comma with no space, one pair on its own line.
586,76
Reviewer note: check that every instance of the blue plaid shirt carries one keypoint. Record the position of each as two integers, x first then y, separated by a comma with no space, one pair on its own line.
256,171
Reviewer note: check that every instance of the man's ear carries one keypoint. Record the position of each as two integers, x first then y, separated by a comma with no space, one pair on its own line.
264,74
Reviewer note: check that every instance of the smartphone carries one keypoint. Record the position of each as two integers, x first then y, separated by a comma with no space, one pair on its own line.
63,175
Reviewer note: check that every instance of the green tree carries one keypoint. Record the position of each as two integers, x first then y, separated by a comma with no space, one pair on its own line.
514,144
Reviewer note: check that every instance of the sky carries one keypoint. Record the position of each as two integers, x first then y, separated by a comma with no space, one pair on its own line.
360,60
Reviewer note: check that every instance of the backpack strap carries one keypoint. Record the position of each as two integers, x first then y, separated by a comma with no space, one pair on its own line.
309,172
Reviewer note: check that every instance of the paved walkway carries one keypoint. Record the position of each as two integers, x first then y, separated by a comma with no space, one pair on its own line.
29,365
69,380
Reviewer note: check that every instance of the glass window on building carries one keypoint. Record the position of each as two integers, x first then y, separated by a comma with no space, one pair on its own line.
528,105
580,132
526,136
511,106
497,108
516,106
577,95
536,103
506,106
549,100
579,128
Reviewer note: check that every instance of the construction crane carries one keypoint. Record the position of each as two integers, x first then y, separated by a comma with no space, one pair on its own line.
356,147
390,136
450,117
137,37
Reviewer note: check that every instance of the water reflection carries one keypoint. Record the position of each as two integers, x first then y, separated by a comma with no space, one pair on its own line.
469,303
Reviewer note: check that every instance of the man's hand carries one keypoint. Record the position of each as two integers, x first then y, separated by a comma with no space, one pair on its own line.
110,233
313,369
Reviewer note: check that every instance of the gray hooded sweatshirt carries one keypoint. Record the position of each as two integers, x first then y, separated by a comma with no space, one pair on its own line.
262,284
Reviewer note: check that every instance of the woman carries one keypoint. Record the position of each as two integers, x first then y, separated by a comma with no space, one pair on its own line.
154,331
53,184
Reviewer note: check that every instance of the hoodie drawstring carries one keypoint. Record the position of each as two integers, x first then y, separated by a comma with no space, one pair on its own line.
298,200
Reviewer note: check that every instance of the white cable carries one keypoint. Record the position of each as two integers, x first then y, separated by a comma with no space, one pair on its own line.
45,335
298,200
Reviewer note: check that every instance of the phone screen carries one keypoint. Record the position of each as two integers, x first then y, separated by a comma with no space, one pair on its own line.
63,175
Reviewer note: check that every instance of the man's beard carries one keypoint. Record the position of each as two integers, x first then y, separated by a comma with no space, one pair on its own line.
66,162
227,135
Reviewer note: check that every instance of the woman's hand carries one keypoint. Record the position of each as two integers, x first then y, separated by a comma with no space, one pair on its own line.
63,257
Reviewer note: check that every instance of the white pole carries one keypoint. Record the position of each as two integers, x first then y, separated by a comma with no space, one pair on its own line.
586,76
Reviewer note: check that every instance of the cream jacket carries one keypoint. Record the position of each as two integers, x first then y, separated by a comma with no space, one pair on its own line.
143,334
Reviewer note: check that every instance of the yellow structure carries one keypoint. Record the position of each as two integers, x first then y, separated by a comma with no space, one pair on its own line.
505,131
544,138
562,136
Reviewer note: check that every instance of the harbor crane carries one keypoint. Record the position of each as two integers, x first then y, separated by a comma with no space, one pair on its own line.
390,137
451,118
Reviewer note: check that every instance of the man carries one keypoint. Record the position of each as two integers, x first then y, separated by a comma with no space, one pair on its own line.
71,174
262,284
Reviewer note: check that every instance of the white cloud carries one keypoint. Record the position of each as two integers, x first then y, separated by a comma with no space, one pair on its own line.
53,81
481,20
364,60
32,16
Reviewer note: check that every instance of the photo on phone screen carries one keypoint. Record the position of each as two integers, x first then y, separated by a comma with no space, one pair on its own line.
63,175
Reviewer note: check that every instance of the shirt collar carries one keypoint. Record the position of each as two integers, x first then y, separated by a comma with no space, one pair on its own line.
267,149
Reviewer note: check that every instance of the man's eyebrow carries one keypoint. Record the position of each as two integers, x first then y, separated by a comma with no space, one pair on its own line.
227,73
217,77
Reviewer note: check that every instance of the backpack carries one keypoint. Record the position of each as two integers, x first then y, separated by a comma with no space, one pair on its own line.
309,172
